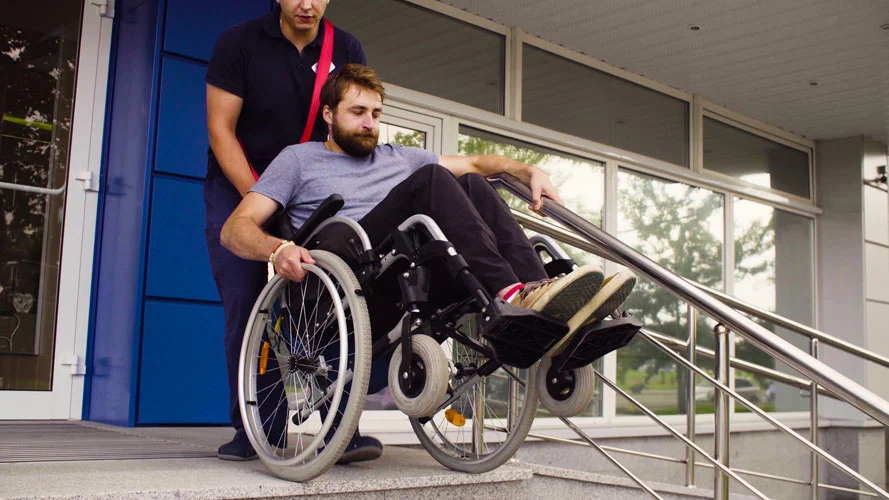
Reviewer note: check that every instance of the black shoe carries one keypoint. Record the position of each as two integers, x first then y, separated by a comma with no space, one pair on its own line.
361,449
238,449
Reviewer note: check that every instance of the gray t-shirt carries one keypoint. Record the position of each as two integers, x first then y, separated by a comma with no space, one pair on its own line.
303,175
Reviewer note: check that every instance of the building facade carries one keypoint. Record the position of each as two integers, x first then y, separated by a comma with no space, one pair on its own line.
108,310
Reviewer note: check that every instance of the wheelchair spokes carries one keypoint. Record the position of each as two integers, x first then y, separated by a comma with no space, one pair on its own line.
299,398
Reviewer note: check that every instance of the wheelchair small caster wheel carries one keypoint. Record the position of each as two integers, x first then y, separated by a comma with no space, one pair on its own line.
421,391
565,393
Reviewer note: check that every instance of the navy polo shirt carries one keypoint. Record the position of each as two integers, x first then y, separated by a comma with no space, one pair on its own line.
254,61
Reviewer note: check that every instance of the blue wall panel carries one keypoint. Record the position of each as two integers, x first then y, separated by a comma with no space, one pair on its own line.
110,393
178,266
182,119
193,26
183,375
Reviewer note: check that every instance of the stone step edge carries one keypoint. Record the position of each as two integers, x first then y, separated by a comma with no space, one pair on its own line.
605,479
504,474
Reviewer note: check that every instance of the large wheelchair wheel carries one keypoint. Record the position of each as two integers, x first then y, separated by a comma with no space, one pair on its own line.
487,424
306,355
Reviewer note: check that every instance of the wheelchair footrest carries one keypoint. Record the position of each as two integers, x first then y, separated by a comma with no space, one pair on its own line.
519,337
593,341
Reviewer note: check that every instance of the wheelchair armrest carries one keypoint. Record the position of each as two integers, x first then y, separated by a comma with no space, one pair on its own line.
328,208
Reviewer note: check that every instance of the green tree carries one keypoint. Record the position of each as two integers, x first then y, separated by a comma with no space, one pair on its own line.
410,139
669,223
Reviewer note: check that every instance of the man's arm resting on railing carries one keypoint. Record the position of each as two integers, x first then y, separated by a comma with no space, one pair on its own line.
242,234
491,165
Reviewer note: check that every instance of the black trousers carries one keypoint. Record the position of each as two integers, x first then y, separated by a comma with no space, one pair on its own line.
472,216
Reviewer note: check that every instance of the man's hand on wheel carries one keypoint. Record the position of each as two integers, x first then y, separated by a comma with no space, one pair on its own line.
289,262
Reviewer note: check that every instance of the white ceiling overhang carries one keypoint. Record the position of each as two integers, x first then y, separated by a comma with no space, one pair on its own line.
756,57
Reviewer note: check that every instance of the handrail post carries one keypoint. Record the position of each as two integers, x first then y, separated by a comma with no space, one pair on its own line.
721,413
690,410
813,415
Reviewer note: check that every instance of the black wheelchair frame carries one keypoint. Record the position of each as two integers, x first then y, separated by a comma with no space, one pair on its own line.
501,338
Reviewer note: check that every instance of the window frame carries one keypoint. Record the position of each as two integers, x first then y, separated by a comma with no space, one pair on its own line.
769,133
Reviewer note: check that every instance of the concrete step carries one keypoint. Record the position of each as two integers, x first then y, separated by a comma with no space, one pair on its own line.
401,473
555,482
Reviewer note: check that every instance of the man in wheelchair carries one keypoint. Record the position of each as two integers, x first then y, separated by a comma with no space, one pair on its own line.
383,185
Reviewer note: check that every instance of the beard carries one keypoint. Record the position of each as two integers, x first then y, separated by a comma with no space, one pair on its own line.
355,144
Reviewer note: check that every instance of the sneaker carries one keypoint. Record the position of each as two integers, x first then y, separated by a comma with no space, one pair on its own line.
238,449
561,298
361,449
614,291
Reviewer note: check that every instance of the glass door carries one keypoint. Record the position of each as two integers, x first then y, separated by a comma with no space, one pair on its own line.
48,151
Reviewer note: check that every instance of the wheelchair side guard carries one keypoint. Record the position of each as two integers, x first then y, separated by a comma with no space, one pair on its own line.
327,209
519,337
593,341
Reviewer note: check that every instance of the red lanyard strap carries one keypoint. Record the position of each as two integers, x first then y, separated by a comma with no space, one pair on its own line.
321,72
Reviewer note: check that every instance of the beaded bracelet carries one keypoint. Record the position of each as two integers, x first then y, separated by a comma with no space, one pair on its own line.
281,246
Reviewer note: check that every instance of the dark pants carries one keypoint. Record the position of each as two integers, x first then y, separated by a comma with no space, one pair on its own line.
239,283
473,217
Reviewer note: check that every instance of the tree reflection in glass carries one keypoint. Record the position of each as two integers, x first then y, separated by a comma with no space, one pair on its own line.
681,228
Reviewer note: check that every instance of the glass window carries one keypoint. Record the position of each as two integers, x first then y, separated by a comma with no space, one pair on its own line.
732,151
426,51
402,136
579,181
681,228
570,97
774,270
38,57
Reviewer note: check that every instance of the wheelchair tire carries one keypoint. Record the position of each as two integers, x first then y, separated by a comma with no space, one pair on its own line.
431,370
300,338
577,396
488,423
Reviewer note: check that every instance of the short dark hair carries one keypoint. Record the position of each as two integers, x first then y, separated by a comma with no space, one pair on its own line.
338,83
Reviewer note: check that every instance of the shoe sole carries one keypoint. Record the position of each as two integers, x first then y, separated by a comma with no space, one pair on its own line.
610,296
236,458
570,293
360,455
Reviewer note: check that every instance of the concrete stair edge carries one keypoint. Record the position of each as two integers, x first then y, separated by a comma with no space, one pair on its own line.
606,480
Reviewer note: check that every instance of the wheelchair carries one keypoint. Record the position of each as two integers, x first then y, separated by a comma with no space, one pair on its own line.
468,369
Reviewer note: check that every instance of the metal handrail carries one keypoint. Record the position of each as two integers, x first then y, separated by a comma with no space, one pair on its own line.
762,413
849,390
591,238
795,327
573,240
747,366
